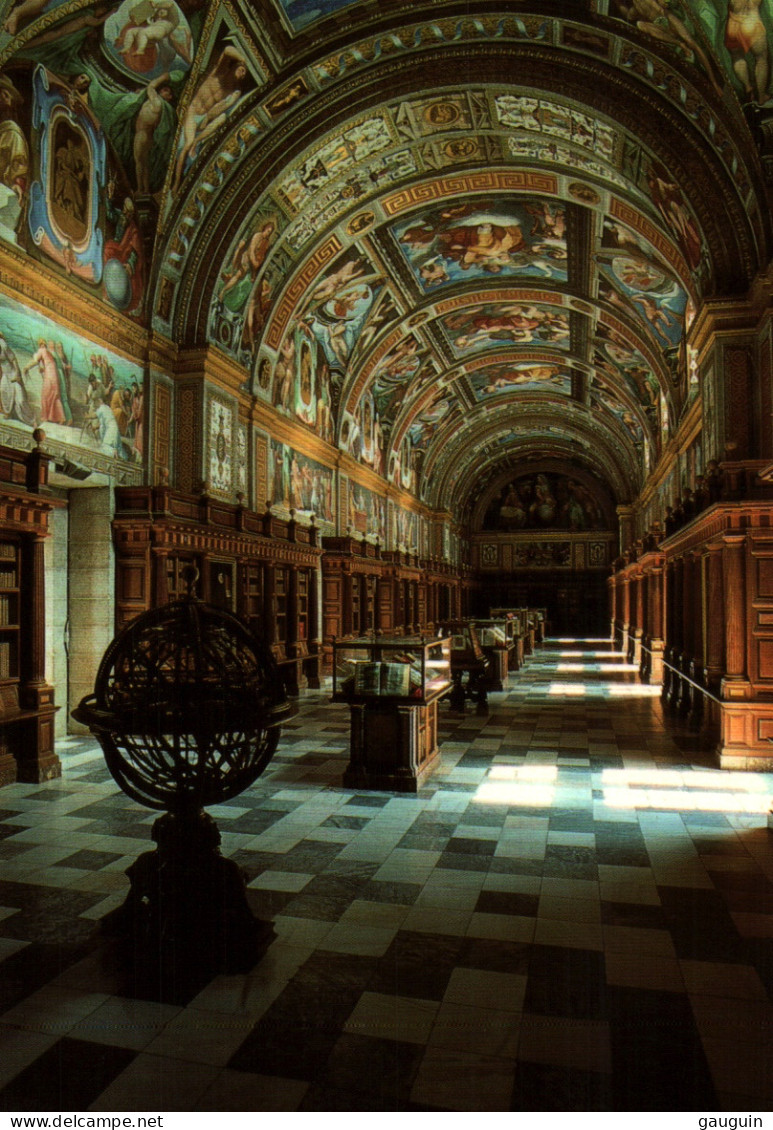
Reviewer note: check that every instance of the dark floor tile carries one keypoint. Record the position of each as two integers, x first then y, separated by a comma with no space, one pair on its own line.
700,924
566,982
482,816
69,1076
639,915
455,861
543,1087
465,845
750,882
252,823
377,891
369,800
423,841
309,856
320,907
494,956
501,865
657,1057
759,953
34,966
571,822
417,965
713,846
338,820
621,855
569,862
88,860
502,902
294,1047
381,1072
325,971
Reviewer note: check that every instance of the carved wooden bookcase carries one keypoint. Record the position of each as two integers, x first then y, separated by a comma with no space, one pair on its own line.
259,566
27,706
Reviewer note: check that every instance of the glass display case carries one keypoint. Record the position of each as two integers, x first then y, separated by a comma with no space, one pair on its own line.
497,638
392,688
412,668
467,658
523,633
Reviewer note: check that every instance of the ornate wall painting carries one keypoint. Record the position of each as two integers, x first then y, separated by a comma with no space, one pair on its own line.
241,288
228,79
621,363
523,376
302,385
337,156
65,196
406,530
20,13
542,555
339,305
147,38
667,197
740,34
220,446
14,156
80,394
301,13
502,325
546,501
362,434
603,398
484,238
367,513
634,276
675,26
299,483
556,121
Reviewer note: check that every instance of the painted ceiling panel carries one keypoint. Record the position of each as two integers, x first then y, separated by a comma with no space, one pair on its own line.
484,238
436,239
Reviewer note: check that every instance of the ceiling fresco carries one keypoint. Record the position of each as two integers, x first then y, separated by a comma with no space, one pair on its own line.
479,239
497,262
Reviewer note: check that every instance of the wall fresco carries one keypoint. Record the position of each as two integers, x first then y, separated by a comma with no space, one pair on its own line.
546,501
299,483
80,394
635,278
302,383
740,32
301,13
674,26
366,513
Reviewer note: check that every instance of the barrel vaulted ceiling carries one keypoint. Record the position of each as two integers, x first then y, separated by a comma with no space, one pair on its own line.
452,239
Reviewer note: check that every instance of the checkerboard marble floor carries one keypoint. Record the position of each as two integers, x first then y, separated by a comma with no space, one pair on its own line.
575,913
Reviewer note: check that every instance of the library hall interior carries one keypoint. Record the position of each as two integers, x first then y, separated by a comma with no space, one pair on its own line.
386,555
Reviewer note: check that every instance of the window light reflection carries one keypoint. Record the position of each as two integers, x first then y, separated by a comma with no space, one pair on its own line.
592,667
515,793
523,773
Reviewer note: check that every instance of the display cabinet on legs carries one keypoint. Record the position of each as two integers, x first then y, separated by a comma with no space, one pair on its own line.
392,689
